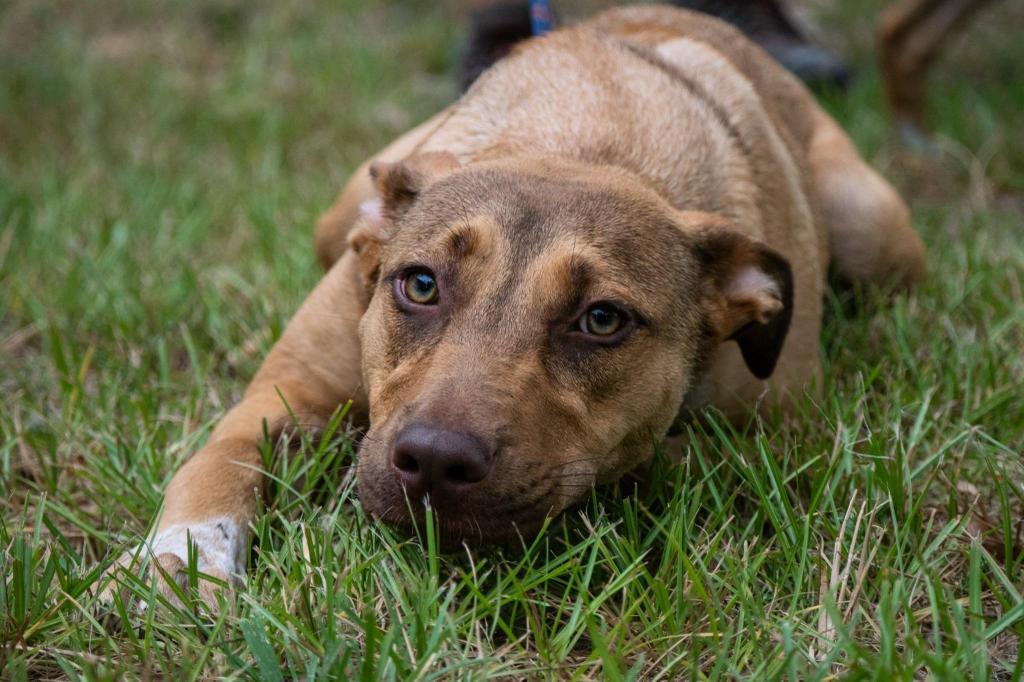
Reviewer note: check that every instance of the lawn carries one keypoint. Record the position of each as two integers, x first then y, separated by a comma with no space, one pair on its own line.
161,165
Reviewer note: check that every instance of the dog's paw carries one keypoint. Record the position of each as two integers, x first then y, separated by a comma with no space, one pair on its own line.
219,551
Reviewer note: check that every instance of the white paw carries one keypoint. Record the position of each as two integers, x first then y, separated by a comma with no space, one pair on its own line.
220,547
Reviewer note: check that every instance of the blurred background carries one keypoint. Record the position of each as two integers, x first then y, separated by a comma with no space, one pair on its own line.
161,167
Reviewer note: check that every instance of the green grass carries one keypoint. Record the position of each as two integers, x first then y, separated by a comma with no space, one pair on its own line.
161,165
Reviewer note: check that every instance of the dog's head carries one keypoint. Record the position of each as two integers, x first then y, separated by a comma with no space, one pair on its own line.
531,330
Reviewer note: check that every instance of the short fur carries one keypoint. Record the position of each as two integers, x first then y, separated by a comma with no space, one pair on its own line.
652,157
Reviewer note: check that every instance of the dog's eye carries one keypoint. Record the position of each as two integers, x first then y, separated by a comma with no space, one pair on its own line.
602,320
420,287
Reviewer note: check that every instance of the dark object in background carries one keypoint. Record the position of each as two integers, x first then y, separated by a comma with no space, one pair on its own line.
494,29
496,26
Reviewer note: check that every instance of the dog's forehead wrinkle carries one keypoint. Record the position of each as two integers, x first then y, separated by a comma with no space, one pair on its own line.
532,210
472,234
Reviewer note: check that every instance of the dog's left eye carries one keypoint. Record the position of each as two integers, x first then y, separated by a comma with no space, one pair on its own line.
602,319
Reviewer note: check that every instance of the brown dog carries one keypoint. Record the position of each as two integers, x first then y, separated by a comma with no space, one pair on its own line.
617,221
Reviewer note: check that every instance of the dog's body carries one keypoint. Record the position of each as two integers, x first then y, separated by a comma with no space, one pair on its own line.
524,291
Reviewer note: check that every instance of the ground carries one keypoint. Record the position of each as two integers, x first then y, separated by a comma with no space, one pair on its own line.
161,166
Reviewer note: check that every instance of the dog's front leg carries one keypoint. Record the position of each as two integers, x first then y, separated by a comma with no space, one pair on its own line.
312,371
213,498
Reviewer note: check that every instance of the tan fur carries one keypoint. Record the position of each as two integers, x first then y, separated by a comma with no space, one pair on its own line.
650,156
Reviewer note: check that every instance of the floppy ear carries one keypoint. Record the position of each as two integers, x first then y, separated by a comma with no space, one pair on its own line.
750,297
366,240
399,183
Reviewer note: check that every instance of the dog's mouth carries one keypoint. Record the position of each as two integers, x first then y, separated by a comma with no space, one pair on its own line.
465,487
466,527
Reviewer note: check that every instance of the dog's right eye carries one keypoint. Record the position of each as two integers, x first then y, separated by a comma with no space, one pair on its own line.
604,323
420,287
601,320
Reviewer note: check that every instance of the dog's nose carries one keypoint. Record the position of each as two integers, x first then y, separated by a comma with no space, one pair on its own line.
438,462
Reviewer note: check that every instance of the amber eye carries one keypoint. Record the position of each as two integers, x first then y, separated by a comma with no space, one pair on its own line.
602,320
420,287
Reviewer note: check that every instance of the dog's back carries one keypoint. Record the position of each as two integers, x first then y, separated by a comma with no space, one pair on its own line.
678,98
786,101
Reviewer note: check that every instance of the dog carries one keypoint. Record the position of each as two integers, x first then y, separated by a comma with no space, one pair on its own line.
618,222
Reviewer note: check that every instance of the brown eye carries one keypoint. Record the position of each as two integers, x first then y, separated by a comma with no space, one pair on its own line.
602,320
420,287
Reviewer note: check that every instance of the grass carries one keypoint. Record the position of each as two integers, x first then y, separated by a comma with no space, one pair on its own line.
161,165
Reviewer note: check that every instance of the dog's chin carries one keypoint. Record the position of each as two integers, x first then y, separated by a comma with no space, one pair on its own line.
454,534
464,528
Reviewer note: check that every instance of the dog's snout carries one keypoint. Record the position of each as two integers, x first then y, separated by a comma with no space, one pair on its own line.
438,462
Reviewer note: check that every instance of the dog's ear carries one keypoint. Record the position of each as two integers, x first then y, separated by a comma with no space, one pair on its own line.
750,293
366,240
399,183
